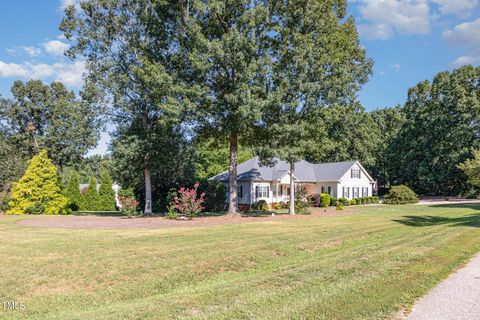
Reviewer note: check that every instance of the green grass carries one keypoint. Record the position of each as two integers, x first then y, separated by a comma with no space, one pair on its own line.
364,266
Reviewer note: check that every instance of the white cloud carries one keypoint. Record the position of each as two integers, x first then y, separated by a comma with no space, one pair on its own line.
55,47
11,70
465,35
390,16
376,31
11,51
32,51
66,3
456,7
68,73
464,60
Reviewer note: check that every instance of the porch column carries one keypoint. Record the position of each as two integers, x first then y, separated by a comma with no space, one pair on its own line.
276,187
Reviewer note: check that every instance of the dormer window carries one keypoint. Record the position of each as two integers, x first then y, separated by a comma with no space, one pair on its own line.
355,173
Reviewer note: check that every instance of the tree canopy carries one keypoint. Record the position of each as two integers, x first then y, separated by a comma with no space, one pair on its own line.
51,117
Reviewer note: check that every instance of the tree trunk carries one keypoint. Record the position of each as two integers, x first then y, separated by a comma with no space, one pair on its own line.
291,209
232,195
148,194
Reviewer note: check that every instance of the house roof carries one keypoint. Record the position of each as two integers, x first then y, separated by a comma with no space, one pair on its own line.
304,171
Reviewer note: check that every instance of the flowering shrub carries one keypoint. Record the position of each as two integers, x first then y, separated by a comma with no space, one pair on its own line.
187,203
129,206
315,200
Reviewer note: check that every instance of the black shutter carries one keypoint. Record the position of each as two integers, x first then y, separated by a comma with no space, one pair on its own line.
256,191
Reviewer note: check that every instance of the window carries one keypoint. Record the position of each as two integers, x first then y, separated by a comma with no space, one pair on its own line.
261,191
288,191
346,193
240,191
329,190
365,192
323,189
355,173
355,191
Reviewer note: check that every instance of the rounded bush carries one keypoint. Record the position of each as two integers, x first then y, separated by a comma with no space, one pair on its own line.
325,200
260,205
343,201
340,206
353,202
333,201
400,195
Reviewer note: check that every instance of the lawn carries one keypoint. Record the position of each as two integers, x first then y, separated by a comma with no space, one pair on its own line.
360,266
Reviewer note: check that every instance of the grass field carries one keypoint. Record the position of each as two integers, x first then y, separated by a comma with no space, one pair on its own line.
364,266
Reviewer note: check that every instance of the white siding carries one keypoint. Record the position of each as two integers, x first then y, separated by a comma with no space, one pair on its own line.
348,181
254,198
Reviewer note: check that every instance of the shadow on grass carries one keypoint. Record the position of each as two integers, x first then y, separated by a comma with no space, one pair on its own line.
472,220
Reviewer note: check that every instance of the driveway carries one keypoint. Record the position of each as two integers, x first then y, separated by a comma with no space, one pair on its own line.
456,298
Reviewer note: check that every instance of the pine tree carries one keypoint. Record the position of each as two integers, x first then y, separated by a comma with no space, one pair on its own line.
39,190
73,192
106,193
91,197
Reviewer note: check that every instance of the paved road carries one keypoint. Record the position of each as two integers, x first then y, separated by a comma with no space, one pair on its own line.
456,298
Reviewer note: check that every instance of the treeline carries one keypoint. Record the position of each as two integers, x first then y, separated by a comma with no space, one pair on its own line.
420,144
194,89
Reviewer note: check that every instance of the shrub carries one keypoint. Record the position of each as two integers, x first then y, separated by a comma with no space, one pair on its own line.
171,213
315,200
369,200
72,192
4,198
277,206
375,199
325,200
333,201
39,190
129,206
106,194
260,205
400,195
339,206
353,202
343,201
188,204
91,198
284,205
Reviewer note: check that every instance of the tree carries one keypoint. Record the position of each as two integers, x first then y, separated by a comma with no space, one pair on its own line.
72,192
212,156
133,57
317,68
106,193
440,131
91,198
228,41
471,168
39,190
50,117
172,166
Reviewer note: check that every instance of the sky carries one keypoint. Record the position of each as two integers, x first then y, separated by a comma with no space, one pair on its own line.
409,41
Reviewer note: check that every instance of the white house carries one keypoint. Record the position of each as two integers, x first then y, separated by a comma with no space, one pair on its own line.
347,179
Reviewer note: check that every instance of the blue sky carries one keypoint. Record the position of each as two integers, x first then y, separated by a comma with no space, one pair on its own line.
409,40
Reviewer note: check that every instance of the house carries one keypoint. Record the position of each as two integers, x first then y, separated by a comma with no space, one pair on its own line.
347,179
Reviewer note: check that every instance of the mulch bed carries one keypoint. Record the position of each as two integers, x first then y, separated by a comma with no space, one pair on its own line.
113,222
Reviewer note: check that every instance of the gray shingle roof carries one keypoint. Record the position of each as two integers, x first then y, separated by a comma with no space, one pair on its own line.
304,171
